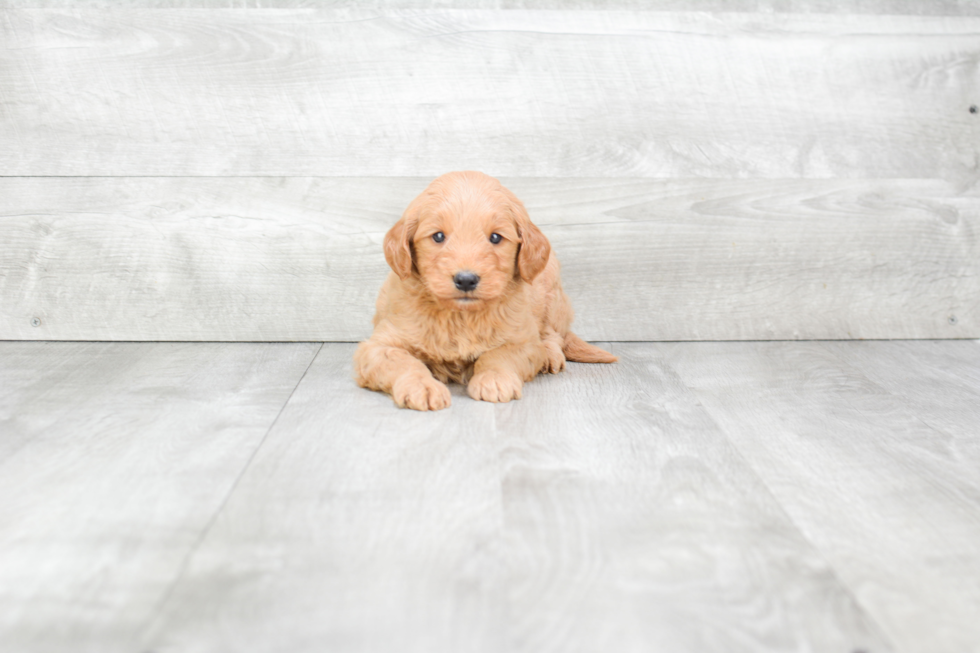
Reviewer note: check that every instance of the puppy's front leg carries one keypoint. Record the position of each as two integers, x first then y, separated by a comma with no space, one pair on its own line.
499,374
395,371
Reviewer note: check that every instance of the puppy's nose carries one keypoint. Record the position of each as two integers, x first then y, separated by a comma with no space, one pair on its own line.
466,281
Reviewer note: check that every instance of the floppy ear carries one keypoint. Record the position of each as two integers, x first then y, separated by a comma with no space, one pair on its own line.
398,241
534,248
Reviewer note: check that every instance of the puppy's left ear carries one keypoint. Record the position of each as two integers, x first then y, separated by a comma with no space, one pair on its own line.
534,248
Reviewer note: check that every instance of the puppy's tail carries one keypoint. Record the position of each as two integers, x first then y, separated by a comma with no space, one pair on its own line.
579,351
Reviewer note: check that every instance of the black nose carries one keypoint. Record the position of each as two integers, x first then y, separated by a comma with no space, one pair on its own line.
466,281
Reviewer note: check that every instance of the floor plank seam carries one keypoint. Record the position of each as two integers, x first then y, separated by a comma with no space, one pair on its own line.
789,519
882,632
165,598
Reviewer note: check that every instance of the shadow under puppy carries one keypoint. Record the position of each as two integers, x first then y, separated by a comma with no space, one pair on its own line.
475,297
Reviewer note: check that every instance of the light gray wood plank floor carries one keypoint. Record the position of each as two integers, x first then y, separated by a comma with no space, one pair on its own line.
777,496
113,458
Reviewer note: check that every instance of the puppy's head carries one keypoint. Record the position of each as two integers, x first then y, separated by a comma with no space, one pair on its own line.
467,239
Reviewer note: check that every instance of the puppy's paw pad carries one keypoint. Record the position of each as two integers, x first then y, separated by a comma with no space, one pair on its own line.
419,393
495,386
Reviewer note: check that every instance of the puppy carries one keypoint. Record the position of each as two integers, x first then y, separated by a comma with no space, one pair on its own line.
474,297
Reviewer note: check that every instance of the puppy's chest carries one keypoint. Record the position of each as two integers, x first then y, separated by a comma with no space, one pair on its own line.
458,343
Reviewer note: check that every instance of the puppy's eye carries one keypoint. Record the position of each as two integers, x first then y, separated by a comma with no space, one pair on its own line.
495,238
438,236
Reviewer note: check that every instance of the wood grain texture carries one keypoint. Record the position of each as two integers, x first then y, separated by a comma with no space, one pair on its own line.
938,381
300,258
41,383
580,93
634,525
891,499
893,7
357,527
603,511
121,455
693,497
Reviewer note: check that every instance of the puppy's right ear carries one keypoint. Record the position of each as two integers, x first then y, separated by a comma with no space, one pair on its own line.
398,248
398,240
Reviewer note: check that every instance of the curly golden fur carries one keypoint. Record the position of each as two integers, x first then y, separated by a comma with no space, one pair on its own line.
434,326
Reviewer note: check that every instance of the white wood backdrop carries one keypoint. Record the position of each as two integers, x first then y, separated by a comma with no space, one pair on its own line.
515,93
300,258
786,170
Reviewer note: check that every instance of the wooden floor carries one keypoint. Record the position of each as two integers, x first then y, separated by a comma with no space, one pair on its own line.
752,496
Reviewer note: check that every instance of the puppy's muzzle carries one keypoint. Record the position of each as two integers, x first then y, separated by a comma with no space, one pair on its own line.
466,281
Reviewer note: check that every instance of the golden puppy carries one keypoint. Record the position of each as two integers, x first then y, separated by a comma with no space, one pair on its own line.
475,297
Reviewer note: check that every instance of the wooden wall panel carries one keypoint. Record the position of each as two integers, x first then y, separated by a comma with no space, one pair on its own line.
895,7
300,258
584,93
196,170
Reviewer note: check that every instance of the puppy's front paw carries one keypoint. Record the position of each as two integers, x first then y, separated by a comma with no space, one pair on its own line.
420,393
495,386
